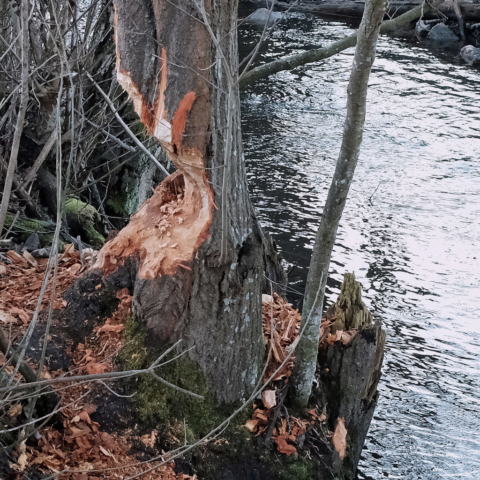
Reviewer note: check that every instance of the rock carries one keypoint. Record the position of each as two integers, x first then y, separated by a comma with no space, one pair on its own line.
263,15
32,242
42,252
470,54
441,33
421,29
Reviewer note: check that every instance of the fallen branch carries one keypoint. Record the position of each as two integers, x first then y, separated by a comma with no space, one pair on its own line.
312,56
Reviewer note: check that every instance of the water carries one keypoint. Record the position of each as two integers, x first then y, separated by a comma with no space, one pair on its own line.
410,229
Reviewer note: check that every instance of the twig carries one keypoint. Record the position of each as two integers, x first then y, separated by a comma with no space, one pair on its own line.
127,129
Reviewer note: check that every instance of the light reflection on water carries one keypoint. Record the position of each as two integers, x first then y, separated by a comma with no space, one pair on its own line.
414,244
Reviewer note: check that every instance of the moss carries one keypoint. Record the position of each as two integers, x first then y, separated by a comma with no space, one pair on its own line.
157,402
24,227
175,415
86,216
302,469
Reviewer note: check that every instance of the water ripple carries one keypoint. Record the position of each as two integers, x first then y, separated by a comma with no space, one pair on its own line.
410,229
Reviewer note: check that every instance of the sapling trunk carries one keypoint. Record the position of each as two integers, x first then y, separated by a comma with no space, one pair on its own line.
307,350
12,164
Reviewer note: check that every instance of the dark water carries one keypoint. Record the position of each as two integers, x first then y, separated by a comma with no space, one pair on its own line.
410,230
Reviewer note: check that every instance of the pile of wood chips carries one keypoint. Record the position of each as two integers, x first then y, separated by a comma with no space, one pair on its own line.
21,282
281,327
81,451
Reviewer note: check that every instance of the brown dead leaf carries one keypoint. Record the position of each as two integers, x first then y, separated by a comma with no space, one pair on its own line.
3,270
340,438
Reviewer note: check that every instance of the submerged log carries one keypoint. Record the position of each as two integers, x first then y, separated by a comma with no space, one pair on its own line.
348,373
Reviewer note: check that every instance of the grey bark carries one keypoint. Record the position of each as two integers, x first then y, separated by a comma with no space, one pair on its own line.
12,164
349,374
322,53
306,354
214,304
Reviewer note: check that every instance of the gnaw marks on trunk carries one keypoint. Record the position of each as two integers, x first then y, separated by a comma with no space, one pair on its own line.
170,254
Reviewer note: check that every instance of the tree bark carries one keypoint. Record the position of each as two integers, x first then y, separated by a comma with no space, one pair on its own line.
348,373
306,355
170,255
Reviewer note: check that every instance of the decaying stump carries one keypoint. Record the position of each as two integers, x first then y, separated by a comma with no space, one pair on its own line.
348,373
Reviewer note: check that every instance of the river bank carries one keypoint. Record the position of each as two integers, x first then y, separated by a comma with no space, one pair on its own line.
409,231
469,9
454,21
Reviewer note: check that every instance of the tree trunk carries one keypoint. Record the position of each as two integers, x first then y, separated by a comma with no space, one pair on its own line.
306,356
185,284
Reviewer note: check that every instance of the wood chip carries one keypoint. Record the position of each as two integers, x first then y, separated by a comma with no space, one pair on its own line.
340,438
5,317
269,398
30,259
15,258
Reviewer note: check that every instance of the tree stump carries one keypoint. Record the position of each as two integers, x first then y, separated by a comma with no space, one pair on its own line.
348,373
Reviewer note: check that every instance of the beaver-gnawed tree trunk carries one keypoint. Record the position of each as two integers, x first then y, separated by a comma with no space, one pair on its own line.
194,255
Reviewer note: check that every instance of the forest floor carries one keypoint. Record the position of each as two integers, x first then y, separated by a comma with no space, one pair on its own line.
92,435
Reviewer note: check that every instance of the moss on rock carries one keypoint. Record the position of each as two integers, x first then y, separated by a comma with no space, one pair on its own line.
82,216
24,227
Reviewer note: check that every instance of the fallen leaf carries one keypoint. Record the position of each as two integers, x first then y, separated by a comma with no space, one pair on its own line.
340,438
3,270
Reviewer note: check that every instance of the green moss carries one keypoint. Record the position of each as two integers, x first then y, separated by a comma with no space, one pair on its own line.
157,402
176,414
87,217
300,470
24,227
